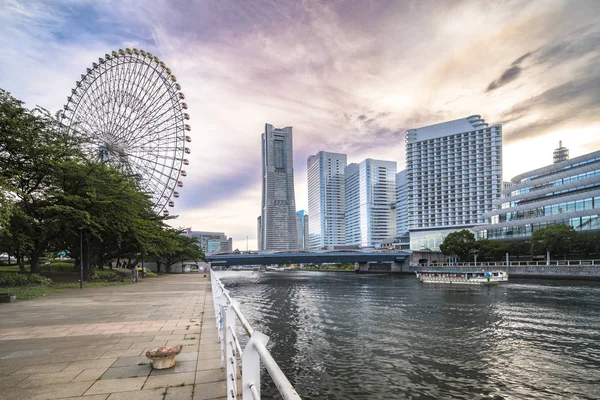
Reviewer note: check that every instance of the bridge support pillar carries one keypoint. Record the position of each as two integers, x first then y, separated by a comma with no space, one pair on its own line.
361,267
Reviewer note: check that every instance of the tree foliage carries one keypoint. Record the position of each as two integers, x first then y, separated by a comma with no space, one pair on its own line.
58,198
462,243
557,239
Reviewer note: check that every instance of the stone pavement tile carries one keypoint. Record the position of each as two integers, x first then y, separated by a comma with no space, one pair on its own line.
187,356
144,344
58,391
91,364
28,353
156,394
6,382
159,338
47,379
92,397
9,369
192,336
210,375
180,393
186,378
91,374
213,390
116,385
132,371
14,394
123,353
41,368
129,361
179,367
207,355
213,363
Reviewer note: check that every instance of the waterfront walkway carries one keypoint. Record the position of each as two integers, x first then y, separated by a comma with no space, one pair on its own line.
91,343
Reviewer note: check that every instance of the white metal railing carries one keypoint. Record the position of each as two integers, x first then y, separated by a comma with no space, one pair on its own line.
227,311
562,263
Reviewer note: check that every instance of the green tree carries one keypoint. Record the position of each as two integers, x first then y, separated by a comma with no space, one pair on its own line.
176,247
587,244
462,243
557,239
491,249
32,147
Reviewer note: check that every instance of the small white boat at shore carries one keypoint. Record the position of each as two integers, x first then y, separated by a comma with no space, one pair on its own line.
463,277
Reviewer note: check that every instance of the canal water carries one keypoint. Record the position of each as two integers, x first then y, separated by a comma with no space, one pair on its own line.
349,336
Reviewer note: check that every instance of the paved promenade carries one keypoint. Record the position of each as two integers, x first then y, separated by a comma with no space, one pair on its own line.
91,343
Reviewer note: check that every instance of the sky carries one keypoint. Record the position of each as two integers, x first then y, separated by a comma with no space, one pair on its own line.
348,76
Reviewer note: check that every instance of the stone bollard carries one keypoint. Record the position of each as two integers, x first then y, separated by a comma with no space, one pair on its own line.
7,298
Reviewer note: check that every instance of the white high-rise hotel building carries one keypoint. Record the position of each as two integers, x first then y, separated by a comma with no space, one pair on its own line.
454,174
325,173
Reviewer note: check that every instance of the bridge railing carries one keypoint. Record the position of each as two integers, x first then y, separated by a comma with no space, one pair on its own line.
567,263
227,313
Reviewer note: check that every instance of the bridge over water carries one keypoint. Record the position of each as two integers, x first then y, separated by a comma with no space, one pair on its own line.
364,261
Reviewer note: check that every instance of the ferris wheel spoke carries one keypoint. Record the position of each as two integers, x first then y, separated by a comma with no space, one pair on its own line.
151,110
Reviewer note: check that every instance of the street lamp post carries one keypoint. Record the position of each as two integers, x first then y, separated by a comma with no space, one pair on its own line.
81,256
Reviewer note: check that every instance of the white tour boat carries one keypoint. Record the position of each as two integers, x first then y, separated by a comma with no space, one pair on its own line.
463,277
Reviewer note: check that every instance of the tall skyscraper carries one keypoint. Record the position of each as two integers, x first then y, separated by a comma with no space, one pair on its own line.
401,204
454,173
370,192
302,226
326,200
258,233
278,214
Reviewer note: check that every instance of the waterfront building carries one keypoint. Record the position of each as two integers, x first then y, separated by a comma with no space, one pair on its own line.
370,194
325,177
566,192
401,204
278,212
212,242
302,226
454,174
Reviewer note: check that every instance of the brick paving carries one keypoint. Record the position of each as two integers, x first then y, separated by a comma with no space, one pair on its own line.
91,343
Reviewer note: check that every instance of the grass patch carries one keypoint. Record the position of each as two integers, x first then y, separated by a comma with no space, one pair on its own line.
33,292
9,268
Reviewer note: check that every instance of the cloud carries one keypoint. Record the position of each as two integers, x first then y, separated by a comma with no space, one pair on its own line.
507,76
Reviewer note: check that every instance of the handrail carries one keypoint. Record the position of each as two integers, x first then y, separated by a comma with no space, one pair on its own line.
226,311
562,263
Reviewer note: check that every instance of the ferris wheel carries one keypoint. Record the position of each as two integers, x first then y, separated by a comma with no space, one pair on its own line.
129,109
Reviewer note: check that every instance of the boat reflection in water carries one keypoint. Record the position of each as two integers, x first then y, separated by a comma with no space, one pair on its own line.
463,277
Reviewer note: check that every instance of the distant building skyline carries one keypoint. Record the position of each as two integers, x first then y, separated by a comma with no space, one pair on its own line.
212,242
278,211
302,224
325,181
454,174
370,195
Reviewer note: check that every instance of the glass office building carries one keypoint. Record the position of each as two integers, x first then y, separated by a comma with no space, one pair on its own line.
370,191
566,192
325,177
454,174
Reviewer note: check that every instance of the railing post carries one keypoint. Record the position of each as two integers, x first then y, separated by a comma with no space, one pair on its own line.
222,330
230,358
251,366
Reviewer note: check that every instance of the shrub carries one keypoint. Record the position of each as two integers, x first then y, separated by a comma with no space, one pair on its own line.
58,267
107,276
12,279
